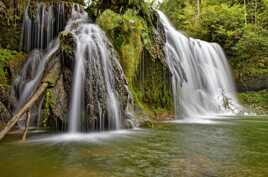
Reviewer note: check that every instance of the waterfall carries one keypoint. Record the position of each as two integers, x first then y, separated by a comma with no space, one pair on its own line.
92,50
201,78
93,79
92,57
98,81
43,26
32,72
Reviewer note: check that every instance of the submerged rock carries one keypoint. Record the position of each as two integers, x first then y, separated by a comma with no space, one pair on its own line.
147,123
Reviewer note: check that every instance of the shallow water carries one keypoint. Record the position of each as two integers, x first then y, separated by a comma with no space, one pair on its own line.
217,148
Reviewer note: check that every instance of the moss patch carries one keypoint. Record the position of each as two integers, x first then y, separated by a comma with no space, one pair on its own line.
141,56
10,61
125,31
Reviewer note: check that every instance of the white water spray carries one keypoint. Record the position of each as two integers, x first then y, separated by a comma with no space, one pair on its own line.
93,56
201,78
92,49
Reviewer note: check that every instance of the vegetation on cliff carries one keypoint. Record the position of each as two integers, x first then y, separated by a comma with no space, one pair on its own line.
10,60
136,34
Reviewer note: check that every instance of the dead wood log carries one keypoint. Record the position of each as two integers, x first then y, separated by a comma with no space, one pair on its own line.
49,80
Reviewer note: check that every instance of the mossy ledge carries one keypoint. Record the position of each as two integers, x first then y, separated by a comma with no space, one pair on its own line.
138,37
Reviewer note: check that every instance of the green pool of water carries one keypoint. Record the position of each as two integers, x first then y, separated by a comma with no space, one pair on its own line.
225,148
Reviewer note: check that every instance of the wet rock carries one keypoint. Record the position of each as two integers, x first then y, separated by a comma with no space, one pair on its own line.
4,113
129,123
4,94
252,84
68,44
146,123
2,8
6,97
60,101
139,38
55,106
96,92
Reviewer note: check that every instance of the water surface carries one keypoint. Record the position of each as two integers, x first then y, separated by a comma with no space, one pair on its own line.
233,148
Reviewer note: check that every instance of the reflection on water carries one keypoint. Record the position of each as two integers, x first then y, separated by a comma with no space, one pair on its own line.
84,137
228,148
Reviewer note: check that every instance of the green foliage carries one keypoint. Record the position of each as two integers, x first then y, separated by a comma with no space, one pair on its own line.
67,44
151,86
217,23
131,30
49,102
125,32
222,24
6,55
255,101
7,59
251,59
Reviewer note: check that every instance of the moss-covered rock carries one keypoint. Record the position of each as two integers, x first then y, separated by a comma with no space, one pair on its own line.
125,32
4,114
55,107
5,95
67,46
147,123
10,64
139,38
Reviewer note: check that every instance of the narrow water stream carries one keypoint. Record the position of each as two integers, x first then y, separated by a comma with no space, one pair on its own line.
237,148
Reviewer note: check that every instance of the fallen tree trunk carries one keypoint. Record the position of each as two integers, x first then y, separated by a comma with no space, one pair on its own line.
25,108
50,79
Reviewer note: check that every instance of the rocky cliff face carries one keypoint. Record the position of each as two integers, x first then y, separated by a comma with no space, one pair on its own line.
10,64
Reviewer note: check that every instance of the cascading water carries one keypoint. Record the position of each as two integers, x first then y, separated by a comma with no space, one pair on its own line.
94,62
201,80
97,77
43,27
92,49
32,72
